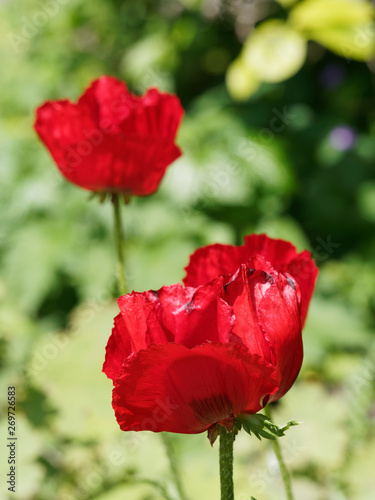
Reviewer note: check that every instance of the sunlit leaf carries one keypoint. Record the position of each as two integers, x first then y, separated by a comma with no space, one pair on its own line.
343,26
241,81
320,14
274,51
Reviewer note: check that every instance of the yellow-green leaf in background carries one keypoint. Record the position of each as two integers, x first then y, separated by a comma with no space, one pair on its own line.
274,51
343,26
241,81
321,14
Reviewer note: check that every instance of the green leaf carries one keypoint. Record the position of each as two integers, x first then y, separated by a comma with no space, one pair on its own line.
261,426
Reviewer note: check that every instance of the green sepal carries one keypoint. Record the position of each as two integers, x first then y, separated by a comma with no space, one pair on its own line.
261,426
103,196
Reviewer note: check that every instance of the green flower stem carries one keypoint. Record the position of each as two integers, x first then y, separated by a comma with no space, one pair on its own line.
173,462
284,471
226,464
119,243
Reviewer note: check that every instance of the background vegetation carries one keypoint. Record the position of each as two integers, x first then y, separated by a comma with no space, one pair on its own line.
308,177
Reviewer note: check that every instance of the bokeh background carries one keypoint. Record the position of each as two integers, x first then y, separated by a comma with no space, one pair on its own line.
278,137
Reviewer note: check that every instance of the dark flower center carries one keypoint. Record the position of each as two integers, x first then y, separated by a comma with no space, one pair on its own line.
213,409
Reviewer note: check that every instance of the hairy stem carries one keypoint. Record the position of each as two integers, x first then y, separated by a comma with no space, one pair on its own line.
226,464
119,237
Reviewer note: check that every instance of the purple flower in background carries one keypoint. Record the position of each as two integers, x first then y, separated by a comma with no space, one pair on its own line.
342,138
332,75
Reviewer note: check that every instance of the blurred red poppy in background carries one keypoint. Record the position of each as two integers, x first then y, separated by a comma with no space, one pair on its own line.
186,358
112,140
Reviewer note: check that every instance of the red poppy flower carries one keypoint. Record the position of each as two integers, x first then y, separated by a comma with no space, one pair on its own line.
112,140
184,359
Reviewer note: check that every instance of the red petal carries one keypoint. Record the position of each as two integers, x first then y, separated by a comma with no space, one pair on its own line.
213,260
138,164
194,316
175,389
142,325
244,293
277,252
179,314
303,269
59,124
108,101
284,258
156,115
135,328
266,308
118,349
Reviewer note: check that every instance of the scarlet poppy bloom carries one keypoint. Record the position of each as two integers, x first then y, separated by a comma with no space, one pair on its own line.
184,359
112,140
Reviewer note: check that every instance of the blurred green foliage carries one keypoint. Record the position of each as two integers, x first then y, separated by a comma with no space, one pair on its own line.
276,50
297,161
